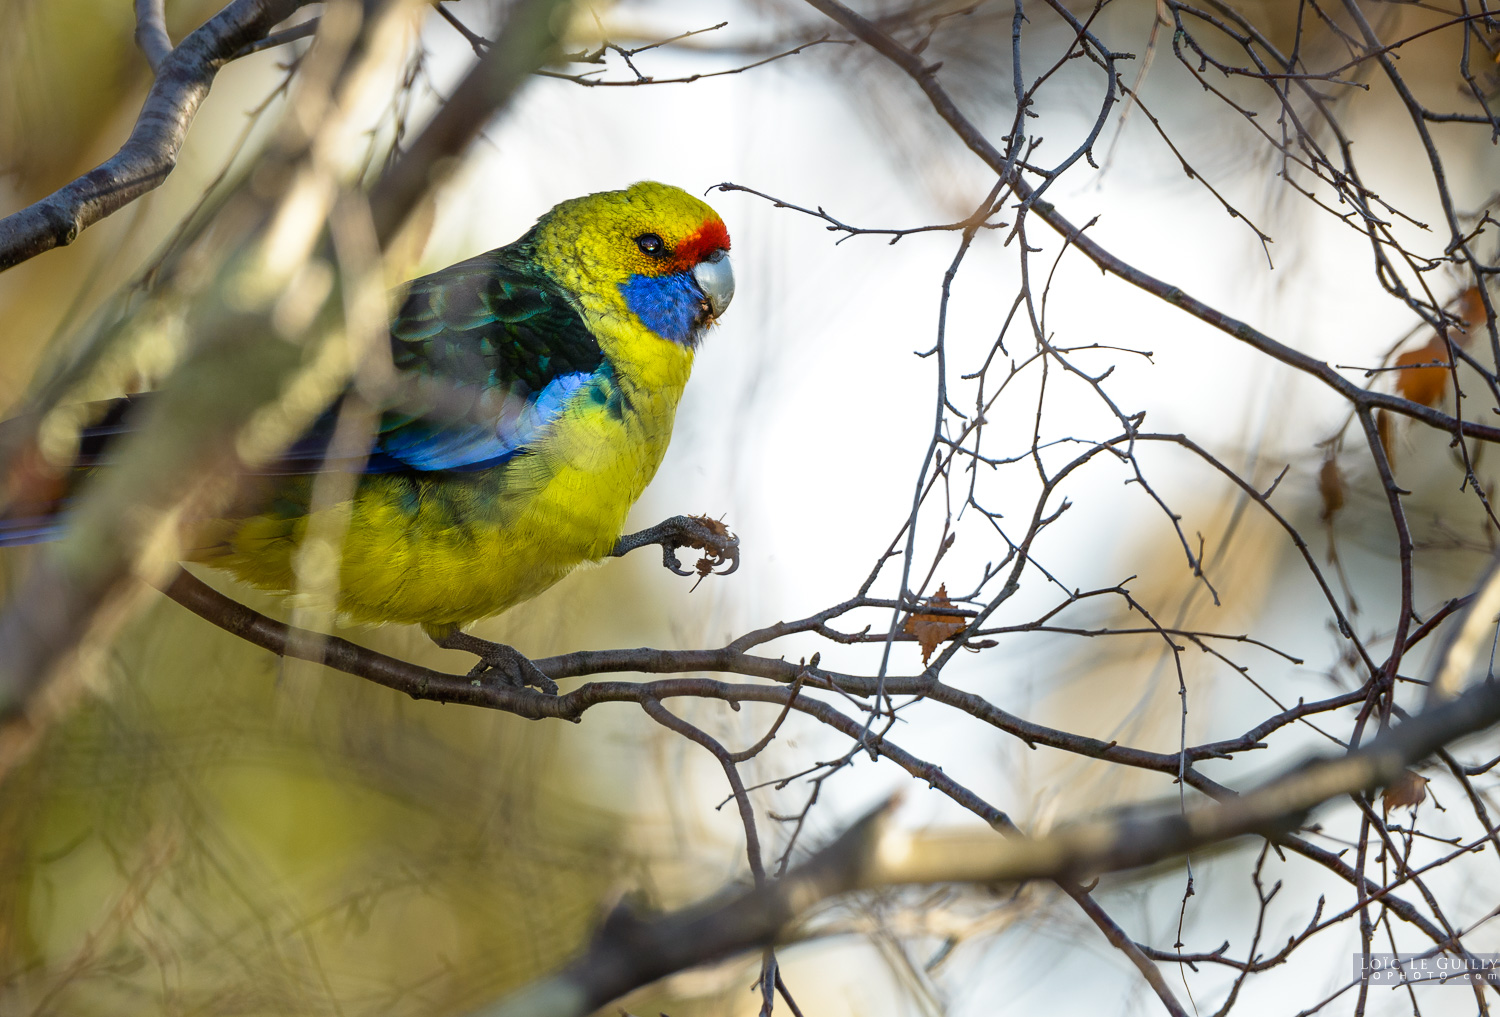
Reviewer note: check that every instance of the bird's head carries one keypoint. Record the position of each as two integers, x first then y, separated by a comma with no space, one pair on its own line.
652,251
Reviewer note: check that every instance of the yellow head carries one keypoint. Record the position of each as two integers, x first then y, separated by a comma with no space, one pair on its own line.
651,251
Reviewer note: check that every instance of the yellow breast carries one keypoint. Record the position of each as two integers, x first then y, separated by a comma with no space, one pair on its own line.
444,549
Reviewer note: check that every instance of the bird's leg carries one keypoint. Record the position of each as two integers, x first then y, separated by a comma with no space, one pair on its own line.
719,546
498,660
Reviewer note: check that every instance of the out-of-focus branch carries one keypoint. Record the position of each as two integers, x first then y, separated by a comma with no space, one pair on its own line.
186,443
236,374
183,78
302,31
151,31
1466,642
629,952
528,39
1134,837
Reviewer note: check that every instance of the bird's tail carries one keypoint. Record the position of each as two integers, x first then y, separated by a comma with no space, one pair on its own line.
30,530
37,493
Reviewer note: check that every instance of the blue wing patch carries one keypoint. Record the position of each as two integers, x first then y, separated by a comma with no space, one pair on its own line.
427,445
30,530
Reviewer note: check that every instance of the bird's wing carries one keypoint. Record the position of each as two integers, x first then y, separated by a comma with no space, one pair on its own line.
491,353
494,352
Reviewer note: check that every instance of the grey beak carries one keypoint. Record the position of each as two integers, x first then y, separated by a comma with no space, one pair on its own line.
715,278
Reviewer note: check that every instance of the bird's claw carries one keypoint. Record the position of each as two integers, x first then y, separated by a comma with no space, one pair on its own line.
712,537
499,661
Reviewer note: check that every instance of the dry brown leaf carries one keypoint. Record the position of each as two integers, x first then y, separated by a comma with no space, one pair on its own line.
715,526
1385,431
932,629
1408,791
1471,310
714,558
1331,486
1425,385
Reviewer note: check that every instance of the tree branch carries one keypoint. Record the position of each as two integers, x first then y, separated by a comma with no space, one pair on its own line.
529,38
925,77
629,953
151,31
183,78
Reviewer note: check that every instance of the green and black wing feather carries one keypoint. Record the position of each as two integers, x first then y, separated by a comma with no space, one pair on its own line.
501,349
495,349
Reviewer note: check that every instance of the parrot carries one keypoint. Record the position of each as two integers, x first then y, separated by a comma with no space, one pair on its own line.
562,358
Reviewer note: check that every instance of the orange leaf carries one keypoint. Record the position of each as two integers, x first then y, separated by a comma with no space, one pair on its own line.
1408,791
1424,385
932,629
1471,310
1331,486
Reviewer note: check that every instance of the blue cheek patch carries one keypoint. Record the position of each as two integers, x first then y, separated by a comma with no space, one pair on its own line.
668,305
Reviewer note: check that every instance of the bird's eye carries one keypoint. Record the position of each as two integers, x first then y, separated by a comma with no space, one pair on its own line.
651,244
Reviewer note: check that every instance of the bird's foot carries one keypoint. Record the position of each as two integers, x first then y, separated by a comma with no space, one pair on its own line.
719,546
497,660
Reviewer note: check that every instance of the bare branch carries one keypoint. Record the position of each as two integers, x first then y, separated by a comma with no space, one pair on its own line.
151,31
926,79
183,77
687,79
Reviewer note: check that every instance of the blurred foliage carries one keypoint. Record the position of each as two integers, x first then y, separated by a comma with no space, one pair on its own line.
213,836
211,831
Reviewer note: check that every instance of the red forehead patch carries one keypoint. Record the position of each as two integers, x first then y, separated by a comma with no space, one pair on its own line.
711,236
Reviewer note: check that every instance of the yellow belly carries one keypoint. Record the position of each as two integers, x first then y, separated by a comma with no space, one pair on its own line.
442,550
